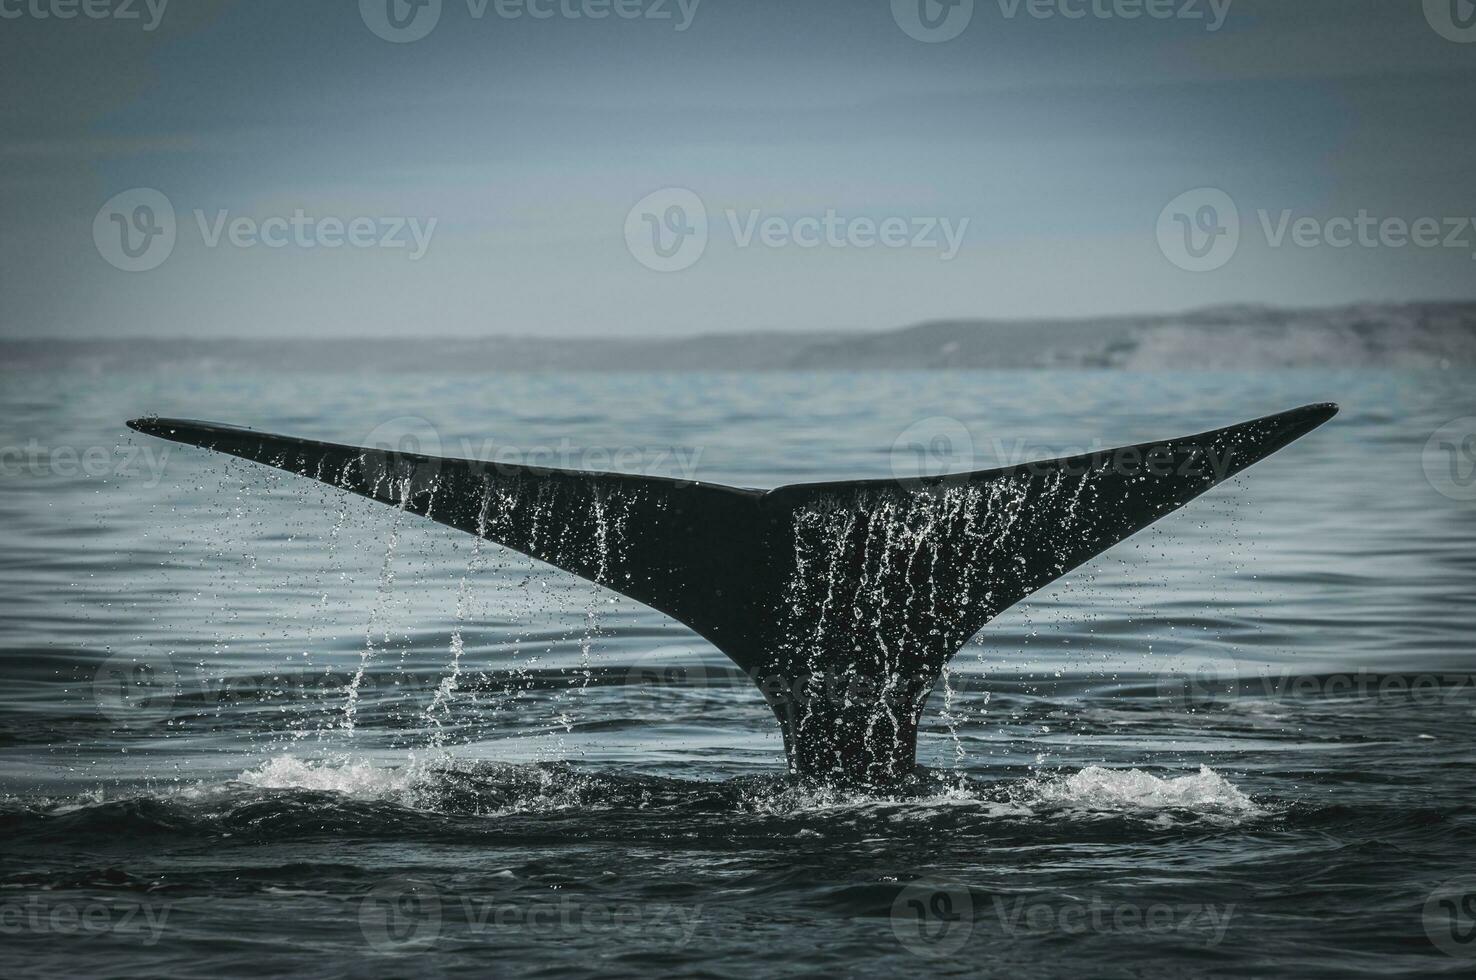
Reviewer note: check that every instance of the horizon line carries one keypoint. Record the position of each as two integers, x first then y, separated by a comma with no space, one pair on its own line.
1188,312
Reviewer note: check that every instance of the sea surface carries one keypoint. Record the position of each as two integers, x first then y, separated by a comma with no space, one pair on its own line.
250,726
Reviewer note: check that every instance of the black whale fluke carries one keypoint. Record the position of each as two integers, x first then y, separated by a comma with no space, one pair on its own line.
843,601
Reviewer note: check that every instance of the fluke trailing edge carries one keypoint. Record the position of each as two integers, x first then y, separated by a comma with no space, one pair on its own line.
843,601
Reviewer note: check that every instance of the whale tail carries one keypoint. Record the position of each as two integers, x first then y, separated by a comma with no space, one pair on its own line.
842,601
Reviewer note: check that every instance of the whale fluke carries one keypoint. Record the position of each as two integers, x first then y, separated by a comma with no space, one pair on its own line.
842,601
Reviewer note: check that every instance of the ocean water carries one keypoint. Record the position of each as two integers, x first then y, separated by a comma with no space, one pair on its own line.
251,726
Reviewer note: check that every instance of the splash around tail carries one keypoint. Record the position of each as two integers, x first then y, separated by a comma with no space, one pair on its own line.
843,601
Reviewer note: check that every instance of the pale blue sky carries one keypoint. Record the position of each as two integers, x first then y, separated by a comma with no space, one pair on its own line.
528,141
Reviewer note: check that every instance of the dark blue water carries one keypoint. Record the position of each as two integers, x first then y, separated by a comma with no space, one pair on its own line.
253,727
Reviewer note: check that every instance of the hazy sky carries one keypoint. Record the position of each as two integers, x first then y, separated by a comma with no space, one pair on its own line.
1024,166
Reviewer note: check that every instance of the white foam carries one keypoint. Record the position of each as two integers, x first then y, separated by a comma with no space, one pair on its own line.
1132,790
415,783
1093,790
356,778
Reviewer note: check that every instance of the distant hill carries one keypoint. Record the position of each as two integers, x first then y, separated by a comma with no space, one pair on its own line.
1417,335
1223,338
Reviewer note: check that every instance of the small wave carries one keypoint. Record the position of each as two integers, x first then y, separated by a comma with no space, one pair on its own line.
1133,791
288,797
447,786
1091,792
490,788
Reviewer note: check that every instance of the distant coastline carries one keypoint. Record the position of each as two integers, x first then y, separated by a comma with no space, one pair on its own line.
1402,336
